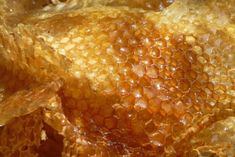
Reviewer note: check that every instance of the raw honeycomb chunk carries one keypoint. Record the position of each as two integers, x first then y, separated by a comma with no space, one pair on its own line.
118,77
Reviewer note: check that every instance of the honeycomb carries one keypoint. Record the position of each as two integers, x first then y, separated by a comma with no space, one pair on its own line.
117,78
218,139
21,136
